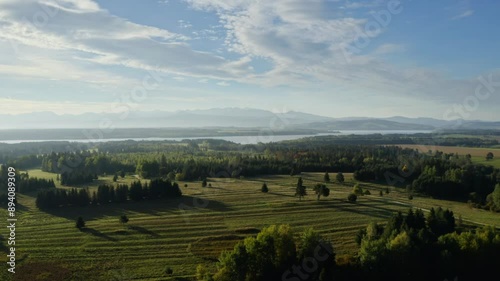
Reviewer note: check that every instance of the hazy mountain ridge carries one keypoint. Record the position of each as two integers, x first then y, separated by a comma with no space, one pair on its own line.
231,117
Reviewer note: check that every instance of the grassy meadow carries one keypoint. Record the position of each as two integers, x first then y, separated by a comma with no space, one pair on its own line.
478,155
181,233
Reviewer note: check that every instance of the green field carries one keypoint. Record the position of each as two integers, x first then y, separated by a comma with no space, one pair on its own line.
478,155
182,233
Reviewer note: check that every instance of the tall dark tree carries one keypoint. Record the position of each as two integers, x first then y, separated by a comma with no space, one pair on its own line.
300,190
326,177
123,219
340,177
80,223
489,156
264,188
321,190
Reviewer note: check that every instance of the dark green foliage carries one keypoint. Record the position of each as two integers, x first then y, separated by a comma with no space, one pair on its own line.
264,188
135,192
326,177
358,190
321,190
489,156
123,219
80,223
115,178
273,254
54,198
340,177
300,189
204,183
352,197
441,221
27,184
408,249
121,193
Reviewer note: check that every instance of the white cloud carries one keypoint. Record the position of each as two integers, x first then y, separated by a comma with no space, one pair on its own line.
223,84
19,106
465,14
94,35
388,49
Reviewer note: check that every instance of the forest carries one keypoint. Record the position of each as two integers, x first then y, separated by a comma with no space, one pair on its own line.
374,158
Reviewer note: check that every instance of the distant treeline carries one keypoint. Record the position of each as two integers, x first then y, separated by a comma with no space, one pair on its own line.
106,194
438,175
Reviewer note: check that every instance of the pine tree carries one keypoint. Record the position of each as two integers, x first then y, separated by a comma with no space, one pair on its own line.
264,188
80,223
300,189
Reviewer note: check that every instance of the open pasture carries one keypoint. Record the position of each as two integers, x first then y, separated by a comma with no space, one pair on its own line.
181,233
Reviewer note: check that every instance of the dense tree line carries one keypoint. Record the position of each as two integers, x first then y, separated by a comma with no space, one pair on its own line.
409,247
415,247
29,184
439,175
105,194
76,177
275,254
55,198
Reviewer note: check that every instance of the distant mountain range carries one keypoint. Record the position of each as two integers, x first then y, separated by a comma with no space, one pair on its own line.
231,117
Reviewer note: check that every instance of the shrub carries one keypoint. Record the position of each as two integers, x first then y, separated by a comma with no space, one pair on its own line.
123,219
367,192
358,190
80,223
264,188
352,197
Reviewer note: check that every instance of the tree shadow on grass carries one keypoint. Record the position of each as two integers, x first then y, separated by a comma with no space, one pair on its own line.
99,234
150,207
354,207
143,230
280,194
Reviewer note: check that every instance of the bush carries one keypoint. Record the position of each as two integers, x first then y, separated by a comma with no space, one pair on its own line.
204,183
352,197
123,219
169,271
367,192
381,193
410,197
264,188
387,190
358,190
80,223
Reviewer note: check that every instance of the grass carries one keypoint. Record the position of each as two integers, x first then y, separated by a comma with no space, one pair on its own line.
108,179
478,154
184,232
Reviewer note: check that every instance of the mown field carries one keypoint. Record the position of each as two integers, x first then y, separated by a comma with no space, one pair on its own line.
181,233
478,154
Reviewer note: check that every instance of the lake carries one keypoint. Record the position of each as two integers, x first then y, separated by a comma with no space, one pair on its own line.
264,137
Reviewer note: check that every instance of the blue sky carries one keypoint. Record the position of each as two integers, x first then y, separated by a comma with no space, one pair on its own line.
334,58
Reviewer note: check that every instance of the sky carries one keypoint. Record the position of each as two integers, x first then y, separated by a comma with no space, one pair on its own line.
336,58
